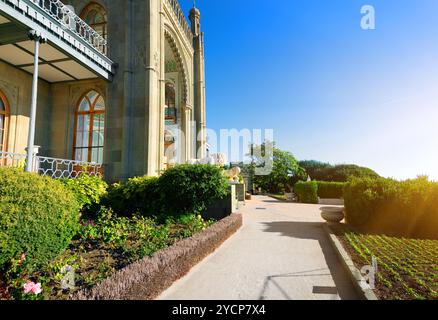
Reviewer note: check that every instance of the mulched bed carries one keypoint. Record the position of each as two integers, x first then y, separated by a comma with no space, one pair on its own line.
407,268
147,278
3,293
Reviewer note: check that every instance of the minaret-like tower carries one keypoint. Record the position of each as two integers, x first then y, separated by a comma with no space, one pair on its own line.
199,73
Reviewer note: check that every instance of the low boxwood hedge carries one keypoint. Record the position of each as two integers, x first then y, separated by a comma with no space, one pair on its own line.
38,217
408,208
330,190
307,192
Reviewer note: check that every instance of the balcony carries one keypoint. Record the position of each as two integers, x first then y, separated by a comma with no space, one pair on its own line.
74,51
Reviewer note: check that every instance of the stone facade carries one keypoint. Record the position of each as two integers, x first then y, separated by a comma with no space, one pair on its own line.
154,49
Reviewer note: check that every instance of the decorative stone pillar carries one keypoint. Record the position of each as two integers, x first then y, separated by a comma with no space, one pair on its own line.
199,75
161,149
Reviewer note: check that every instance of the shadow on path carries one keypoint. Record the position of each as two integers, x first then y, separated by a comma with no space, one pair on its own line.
310,231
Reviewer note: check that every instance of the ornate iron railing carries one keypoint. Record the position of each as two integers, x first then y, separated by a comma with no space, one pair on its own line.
68,18
174,4
52,167
8,159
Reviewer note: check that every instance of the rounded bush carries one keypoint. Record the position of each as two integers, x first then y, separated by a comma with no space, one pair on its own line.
38,217
307,192
187,189
88,189
137,195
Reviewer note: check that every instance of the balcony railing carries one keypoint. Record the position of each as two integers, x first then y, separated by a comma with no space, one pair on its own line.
52,167
63,29
174,4
69,19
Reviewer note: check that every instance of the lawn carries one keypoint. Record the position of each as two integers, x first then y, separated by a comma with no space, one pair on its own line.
407,268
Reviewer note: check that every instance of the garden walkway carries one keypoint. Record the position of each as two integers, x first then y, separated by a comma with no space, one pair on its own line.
281,252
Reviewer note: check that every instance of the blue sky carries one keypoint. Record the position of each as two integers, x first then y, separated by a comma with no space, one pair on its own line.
330,90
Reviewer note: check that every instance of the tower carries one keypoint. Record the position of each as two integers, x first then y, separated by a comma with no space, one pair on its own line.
199,74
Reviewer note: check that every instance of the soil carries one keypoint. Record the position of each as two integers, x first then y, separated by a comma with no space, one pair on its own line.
383,292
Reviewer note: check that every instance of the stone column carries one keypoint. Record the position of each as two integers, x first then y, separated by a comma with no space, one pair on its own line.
153,92
199,75
162,87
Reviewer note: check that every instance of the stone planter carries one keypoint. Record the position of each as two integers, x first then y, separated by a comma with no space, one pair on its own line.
333,214
289,196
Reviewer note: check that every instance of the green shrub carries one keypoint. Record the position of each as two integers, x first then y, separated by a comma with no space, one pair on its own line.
408,208
38,217
184,189
339,173
187,189
307,192
330,190
137,195
88,190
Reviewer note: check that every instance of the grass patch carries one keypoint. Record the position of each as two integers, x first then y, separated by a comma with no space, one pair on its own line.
407,268
279,196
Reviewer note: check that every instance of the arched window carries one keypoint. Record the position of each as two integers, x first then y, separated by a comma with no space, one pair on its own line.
90,128
4,120
170,107
95,16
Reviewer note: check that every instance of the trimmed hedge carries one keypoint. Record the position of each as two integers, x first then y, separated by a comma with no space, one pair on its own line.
407,209
307,192
38,217
330,190
148,278
182,190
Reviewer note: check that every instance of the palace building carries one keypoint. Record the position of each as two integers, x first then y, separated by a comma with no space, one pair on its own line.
113,85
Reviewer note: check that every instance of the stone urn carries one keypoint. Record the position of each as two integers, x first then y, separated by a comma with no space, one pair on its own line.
289,196
333,214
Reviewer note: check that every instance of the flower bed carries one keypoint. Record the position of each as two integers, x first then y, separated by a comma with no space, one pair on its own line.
147,278
407,268
100,249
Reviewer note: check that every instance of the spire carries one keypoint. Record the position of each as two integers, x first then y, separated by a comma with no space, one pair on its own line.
195,19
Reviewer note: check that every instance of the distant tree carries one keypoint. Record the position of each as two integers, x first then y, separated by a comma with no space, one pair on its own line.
314,168
340,173
285,169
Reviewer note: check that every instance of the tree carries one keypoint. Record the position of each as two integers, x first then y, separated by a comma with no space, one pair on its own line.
285,168
315,168
339,173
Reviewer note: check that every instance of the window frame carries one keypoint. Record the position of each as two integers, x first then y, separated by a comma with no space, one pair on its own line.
6,114
91,113
102,10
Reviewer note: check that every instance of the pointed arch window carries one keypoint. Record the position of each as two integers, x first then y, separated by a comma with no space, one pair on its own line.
95,16
4,120
90,128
